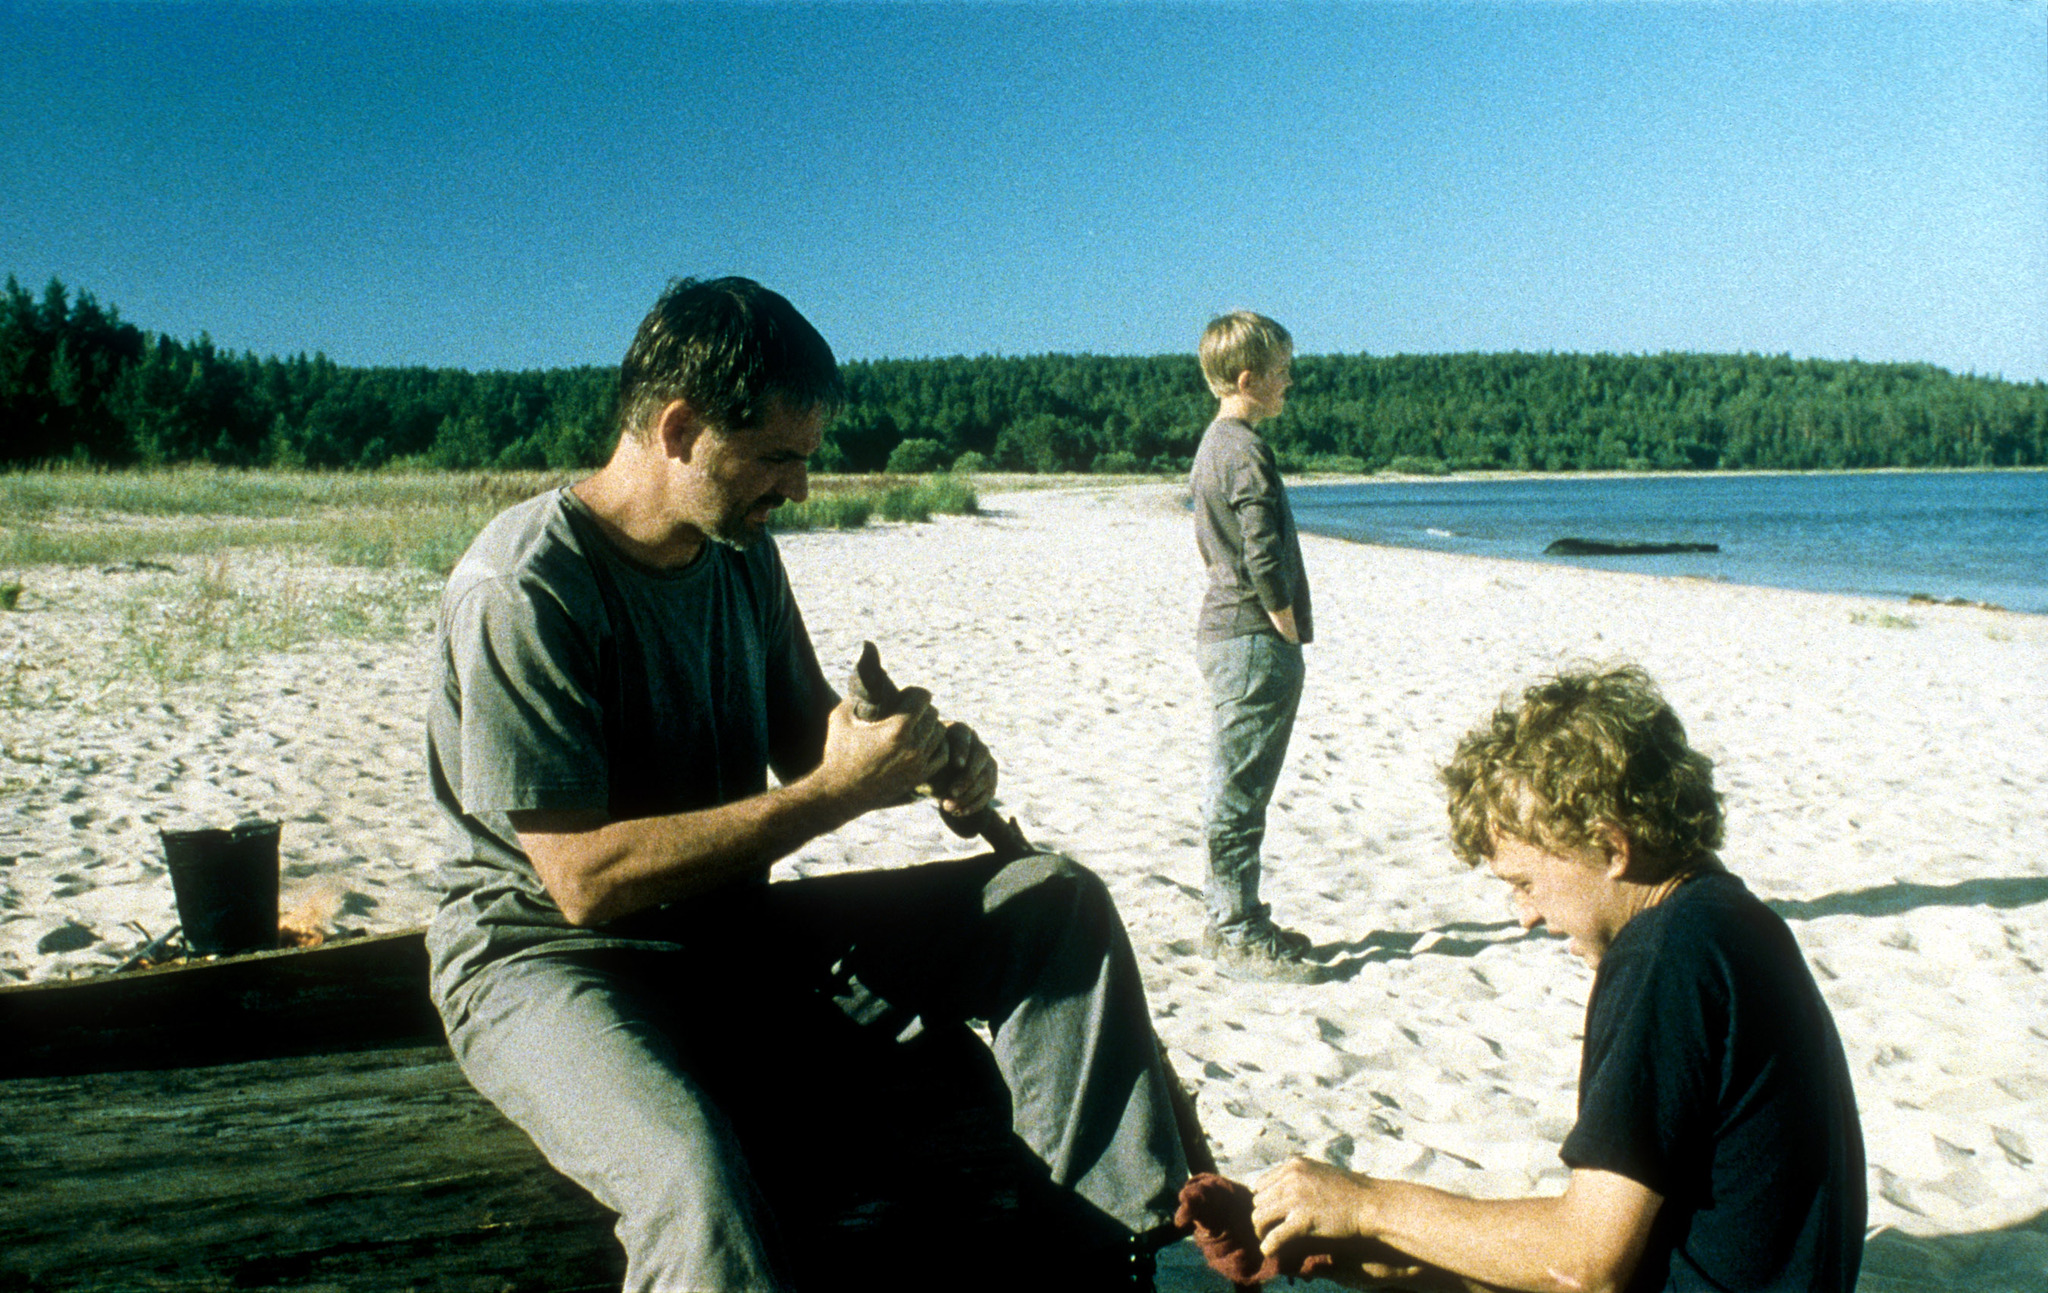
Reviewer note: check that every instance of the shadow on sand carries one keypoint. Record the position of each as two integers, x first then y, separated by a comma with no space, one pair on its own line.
1344,959
2011,1260
1458,938
1902,896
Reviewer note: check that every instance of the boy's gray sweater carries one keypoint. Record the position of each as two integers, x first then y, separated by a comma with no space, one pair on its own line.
1245,530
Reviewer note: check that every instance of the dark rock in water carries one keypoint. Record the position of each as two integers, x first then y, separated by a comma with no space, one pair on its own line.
1926,599
68,937
1602,548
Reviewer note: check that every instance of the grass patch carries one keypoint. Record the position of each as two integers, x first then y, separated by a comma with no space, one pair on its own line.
210,491
432,542
419,520
428,540
950,496
105,542
197,628
835,511
1883,620
852,504
378,520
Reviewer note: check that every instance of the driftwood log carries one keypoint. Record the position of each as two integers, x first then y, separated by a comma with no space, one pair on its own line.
293,1120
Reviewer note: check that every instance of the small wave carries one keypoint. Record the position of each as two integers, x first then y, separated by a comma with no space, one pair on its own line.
1442,534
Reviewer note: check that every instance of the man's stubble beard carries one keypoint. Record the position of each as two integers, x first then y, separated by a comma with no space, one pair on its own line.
740,533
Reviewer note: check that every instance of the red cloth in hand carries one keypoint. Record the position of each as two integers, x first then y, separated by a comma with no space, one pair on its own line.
1220,1212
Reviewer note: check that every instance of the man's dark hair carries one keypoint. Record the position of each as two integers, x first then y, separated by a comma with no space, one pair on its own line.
730,347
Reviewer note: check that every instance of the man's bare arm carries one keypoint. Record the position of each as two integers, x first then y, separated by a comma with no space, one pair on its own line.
1586,1240
598,869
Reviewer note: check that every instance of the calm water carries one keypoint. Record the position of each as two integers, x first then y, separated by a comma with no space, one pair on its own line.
1982,536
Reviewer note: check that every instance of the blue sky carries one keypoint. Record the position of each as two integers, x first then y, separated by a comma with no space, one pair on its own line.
508,186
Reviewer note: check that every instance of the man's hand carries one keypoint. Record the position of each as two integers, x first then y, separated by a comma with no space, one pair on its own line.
967,784
1302,1199
873,765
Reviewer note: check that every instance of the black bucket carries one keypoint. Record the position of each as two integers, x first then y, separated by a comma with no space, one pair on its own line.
226,883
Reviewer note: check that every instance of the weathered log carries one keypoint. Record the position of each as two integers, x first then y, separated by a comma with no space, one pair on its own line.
188,1128
375,1169
362,994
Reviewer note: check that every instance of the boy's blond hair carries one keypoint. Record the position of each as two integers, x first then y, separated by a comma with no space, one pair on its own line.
1242,342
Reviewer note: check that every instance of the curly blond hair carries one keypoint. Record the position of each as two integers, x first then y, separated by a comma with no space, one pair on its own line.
1583,752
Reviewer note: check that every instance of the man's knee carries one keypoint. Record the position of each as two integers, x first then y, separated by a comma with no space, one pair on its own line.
1054,878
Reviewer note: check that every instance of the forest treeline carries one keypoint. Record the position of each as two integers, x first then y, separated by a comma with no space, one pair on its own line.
79,384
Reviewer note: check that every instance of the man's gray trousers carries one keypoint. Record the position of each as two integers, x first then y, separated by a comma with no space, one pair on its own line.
676,1084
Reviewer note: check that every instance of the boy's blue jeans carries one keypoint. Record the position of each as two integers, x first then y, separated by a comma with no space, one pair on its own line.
1254,692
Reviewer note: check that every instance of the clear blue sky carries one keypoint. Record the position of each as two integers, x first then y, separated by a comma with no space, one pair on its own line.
500,186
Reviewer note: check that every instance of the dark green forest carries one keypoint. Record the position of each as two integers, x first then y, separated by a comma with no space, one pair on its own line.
80,385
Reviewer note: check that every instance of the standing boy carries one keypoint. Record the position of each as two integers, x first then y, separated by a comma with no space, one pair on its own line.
1255,618
1717,1143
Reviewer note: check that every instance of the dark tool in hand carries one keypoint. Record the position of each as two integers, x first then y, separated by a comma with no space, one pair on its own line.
876,696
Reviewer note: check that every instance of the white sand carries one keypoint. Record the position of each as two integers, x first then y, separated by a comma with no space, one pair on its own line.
1886,785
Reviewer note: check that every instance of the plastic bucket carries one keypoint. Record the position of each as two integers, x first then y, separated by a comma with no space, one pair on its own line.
226,884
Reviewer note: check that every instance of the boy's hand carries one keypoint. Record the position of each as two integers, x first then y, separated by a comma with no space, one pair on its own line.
1283,624
1303,1199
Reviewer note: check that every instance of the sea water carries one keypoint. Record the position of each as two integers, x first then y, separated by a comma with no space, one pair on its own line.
1981,536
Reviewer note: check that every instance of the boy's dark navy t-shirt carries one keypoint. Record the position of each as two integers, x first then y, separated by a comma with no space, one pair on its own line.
1713,1075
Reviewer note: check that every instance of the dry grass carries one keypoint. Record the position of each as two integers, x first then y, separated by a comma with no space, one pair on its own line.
382,520
84,518
175,577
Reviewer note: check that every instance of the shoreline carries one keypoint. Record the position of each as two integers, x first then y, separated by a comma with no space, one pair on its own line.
1926,600
1995,591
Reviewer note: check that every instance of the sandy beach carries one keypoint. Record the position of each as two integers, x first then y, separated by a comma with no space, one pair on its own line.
1885,770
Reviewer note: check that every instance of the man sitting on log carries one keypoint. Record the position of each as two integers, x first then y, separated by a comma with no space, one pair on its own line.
621,663
1717,1143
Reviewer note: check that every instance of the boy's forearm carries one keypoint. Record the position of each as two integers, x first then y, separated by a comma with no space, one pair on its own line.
1502,1243
1587,1240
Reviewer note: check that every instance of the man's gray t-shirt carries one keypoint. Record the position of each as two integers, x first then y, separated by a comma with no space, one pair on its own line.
572,677
1244,528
